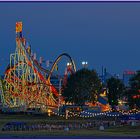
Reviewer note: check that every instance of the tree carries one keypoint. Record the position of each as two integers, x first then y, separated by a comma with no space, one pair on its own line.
133,93
115,91
82,86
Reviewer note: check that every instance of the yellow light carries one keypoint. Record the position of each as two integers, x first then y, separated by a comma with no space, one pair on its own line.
49,112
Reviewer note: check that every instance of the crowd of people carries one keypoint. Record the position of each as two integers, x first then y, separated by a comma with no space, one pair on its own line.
56,126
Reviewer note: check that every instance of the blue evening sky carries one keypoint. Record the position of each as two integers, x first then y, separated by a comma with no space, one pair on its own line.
104,34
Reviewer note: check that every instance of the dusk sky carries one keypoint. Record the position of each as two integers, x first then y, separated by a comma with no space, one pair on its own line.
104,34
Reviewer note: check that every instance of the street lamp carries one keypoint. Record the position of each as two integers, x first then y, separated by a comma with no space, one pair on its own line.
84,64
69,64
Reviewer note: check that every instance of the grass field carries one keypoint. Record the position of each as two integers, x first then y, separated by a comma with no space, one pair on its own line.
115,131
112,132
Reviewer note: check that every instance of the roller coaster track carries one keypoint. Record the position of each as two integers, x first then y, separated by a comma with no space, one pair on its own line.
57,60
2,92
27,82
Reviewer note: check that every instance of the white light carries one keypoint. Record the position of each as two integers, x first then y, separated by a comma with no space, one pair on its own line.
68,64
83,63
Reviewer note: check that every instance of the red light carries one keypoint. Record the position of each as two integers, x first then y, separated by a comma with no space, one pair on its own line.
134,97
129,72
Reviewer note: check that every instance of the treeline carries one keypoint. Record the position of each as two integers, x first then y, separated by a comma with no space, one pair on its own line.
85,86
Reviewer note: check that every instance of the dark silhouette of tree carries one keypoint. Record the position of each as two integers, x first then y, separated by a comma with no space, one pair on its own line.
115,88
82,86
133,93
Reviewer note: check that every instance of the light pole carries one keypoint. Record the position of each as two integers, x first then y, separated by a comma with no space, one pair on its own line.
69,64
60,85
84,64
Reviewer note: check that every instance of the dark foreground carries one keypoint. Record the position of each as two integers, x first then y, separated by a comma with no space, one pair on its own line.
110,133
84,132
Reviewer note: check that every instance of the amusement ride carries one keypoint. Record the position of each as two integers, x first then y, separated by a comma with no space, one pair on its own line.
27,83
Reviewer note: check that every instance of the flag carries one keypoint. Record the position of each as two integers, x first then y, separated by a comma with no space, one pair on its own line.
40,60
47,63
34,56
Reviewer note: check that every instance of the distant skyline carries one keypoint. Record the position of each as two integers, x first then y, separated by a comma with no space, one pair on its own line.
104,34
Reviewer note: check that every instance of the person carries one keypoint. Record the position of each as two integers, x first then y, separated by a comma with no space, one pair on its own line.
108,124
94,124
50,128
114,123
101,126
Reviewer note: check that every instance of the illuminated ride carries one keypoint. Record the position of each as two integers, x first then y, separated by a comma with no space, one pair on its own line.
68,70
27,83
102,102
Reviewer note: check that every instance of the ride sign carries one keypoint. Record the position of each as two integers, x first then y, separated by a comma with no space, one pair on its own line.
18,27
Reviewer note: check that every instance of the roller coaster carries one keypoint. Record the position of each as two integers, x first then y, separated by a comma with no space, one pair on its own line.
27,83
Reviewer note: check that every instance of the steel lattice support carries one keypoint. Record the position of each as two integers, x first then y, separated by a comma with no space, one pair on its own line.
26,84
